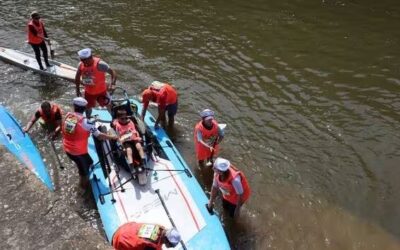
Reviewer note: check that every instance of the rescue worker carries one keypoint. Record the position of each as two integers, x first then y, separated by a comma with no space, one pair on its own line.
129,137
37,36
142,236
166,98
76,130
49,116
92,74
207,136
233,185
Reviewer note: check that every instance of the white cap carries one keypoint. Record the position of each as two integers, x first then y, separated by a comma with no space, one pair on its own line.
221,164
157,85
85,53
173,236
207,114
80,101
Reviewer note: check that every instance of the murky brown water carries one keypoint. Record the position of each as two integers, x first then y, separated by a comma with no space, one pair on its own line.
309,90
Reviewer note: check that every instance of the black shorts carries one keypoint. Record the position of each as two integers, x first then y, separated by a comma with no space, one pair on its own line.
83,162
229,206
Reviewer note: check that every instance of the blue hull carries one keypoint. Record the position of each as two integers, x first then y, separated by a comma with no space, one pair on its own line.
22,146
211,235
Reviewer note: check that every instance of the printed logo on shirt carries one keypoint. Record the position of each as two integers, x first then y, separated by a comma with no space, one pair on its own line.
149,232
70,124
87,77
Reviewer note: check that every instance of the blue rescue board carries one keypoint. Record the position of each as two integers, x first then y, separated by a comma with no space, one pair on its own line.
21,145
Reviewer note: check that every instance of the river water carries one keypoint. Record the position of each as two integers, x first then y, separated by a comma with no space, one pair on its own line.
309,90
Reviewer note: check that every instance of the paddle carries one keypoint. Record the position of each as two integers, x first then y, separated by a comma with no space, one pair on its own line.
210,162
56,154
168,214
52,52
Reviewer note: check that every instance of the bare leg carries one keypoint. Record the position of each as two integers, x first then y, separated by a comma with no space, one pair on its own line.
140,150
129,155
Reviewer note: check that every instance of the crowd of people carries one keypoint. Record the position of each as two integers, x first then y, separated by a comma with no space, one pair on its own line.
76,127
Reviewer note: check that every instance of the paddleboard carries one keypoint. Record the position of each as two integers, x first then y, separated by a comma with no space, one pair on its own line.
28,61
20,144
172,195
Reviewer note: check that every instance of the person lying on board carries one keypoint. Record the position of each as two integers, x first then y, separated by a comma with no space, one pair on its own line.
207,136
129,138
92,74
37,36
76,130
166,98
233,185
138,236
49,116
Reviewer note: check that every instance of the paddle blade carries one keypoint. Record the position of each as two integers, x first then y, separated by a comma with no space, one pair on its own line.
222,126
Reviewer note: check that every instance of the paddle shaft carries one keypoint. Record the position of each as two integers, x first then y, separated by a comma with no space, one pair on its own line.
213,151
55,152
167,212
211,159
51,50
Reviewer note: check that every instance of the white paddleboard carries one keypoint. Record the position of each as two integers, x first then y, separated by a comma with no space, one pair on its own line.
28,61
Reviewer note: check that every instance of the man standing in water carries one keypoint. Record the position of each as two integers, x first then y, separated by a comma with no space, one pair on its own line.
166,98
207,136
233,185
37,36
92,74
76,130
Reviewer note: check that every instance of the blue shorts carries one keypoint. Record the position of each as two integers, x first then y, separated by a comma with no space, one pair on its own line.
172,109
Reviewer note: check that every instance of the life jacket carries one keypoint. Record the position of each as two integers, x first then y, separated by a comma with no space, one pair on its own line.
209,136
53,111
93,79
75,137
227,189
164,89
32,39
137,236
127,131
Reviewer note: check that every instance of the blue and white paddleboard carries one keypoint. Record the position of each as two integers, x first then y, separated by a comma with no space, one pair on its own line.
172,195
20,144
